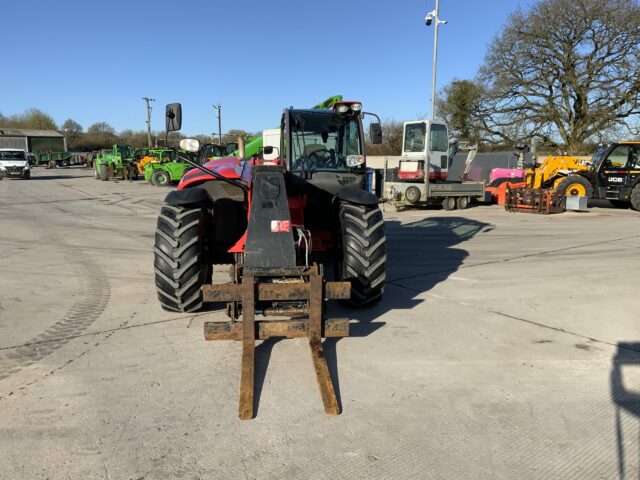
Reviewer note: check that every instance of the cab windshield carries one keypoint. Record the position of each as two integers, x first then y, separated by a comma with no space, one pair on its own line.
323,140
13,155
597,158
414,136
124,150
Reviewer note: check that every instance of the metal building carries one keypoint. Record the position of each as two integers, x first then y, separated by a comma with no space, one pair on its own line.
33,141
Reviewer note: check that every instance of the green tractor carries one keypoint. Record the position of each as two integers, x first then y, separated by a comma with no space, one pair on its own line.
168,170
116,162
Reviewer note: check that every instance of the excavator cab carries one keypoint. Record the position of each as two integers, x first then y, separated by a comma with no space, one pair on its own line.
425,146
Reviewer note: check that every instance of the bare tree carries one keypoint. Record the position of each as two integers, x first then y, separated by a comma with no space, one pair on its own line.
101,128
391,139
70,126
31,118
569,68
73,131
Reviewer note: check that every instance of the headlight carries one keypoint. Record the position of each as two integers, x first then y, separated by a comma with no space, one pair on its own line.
354,160
342,108
356,107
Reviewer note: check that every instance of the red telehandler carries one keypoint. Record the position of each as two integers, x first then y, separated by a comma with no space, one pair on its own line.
277,226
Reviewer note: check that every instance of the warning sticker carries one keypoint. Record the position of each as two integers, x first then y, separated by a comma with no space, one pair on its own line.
278,226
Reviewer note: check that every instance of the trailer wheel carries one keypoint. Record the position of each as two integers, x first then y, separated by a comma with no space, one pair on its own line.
160,178
462,203
620,203
104,172
575,186
635,197
449,203
180,259
412,194
364,252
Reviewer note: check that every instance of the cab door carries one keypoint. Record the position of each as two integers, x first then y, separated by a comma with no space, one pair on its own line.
614,173
438,151
633,172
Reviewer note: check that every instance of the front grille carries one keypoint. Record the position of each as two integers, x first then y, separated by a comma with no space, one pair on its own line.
14,170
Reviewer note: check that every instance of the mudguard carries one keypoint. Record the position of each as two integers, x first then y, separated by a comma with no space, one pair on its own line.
188,196
357,195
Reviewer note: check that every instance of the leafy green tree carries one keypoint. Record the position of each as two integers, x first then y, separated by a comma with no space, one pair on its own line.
459,104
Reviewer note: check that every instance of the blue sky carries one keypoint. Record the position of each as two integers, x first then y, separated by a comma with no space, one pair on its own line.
253,57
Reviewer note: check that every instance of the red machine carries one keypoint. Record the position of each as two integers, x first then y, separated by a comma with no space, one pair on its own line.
277,226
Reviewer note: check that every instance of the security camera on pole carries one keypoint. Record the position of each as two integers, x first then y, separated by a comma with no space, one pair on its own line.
433,17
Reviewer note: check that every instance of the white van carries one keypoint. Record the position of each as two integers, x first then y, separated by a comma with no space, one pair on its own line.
14,163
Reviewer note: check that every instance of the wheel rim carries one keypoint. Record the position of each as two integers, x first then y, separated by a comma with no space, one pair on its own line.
576,190
412,194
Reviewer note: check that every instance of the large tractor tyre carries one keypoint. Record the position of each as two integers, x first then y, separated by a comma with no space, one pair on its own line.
104,172
364,252
635,197
180,261
160,178
96,174
575,186
620,203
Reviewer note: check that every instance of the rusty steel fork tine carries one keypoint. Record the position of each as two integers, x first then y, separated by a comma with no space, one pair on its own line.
325,384
245,408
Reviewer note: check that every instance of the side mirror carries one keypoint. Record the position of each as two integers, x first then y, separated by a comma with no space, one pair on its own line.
190,145
173,117
375,132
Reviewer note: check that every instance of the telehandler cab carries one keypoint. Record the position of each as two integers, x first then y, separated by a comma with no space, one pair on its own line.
277,225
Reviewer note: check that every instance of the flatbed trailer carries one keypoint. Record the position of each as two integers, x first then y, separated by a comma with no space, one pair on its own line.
422,175
450,195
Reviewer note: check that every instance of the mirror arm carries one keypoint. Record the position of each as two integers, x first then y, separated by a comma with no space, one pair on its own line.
216,175
373,114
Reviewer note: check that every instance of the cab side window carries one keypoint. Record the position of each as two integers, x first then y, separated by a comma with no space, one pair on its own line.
618,158
438,138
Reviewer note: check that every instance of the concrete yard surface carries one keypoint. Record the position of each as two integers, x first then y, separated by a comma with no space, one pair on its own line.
506,346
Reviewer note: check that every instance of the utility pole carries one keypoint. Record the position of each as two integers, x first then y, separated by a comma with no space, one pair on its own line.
218,108
432,17
147,99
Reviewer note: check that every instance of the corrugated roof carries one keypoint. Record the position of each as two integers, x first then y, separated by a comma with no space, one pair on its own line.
26,132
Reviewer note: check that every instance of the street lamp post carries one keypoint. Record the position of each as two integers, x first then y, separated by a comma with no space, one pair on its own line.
218,108
434,17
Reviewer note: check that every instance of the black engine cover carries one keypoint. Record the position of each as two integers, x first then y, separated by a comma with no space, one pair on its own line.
269,233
